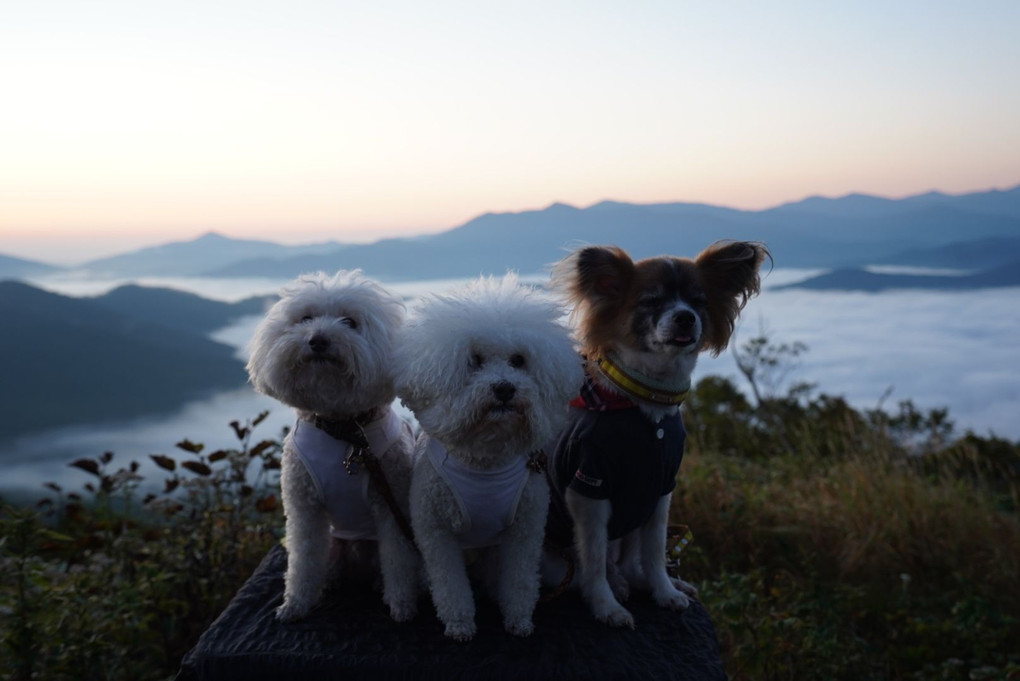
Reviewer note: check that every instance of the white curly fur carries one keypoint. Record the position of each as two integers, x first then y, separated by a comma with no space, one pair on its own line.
453,352
325,348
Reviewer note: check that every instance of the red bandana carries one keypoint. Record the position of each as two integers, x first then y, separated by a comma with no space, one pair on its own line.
594,397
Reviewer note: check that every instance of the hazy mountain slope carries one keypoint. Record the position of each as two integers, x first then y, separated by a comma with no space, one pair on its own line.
527,242
13,268
853,230
179,309
186,258
849,279
71,361
966,255
994,202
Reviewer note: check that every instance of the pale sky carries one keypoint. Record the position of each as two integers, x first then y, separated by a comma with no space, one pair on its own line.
138,122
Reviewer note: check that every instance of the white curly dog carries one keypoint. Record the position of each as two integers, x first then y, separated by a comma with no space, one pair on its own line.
326,349
487,371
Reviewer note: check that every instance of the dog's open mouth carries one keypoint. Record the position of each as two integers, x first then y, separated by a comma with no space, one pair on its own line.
680,341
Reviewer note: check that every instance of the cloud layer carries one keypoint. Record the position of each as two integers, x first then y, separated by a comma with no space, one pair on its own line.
955,350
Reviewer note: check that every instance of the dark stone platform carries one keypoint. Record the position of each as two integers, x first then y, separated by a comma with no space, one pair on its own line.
350,636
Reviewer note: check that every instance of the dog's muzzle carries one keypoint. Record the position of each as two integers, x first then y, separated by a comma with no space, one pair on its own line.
504,392
683,329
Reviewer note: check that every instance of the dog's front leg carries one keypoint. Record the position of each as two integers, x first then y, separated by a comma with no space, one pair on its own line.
436,519
653,559
448,583
627,563
399,563
308,541
520,551
591,522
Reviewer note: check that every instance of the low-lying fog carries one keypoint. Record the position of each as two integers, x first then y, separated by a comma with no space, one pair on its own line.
940,349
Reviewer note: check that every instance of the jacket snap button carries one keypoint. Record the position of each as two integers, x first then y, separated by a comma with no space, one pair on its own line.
659,433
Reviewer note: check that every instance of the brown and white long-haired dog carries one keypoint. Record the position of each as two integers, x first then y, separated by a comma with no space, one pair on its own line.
641,326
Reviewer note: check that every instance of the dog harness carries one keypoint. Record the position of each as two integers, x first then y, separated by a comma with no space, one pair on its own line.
487,498
345,495
610,450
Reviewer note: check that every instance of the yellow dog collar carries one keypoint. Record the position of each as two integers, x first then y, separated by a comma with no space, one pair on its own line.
640,386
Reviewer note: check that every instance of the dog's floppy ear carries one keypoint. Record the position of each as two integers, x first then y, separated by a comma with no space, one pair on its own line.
729,273
597,280
595,274
256,378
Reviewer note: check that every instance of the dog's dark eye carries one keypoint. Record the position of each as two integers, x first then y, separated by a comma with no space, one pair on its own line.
477,361
517,361
349,322
651,301
307,318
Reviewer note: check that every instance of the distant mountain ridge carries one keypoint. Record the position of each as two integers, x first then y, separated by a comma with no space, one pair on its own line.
977,254
195,257
179,309
855,230
13,268
68,361
855,279
851,231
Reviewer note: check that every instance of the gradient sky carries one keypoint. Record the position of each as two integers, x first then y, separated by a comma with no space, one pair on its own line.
131,123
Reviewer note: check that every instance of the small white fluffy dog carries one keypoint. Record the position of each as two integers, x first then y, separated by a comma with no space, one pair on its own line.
487,371
325,348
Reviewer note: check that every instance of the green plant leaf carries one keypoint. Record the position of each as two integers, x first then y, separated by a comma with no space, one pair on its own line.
87,465
189,446
164,462
197,467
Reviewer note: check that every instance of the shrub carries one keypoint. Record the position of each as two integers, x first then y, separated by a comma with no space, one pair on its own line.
832,543
109,585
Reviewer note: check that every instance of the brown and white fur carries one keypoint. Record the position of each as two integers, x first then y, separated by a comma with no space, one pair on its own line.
654,316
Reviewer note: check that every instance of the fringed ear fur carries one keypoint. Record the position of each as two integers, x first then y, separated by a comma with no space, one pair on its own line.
730,274
600,273
597,280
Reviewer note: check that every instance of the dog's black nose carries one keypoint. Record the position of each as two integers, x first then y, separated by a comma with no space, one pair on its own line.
684,320
318,343
504,391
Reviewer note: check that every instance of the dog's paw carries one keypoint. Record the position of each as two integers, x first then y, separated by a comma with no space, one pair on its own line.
672,599
289,612
460,631
616,617
521,626
685,587
403,611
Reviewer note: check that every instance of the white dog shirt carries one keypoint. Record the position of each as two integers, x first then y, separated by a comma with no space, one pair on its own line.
344,495
487,498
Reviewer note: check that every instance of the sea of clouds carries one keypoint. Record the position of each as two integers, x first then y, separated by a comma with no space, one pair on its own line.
939,349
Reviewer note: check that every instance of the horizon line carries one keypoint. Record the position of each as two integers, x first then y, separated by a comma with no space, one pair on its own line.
223,233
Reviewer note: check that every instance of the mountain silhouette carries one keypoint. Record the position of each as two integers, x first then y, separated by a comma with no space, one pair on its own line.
69,361
191,258
850,231
14,268
977,254
854,230
180,310
855,279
